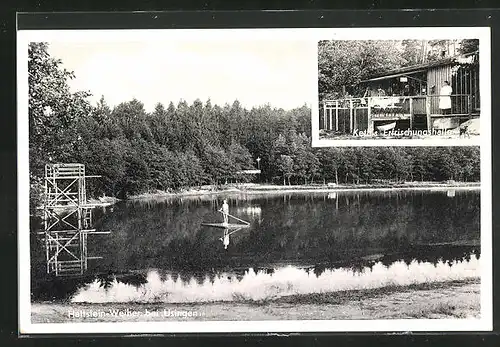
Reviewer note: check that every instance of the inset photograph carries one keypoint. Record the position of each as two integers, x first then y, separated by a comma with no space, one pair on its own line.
399,90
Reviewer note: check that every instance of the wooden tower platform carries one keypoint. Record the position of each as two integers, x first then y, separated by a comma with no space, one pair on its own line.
67,219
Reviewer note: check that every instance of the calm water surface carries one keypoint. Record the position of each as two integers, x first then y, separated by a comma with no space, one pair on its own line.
300,234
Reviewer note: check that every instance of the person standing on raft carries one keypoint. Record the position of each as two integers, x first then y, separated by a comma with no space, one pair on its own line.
225,212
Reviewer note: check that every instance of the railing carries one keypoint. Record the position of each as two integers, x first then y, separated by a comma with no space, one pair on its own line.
64,170
461,104
344,115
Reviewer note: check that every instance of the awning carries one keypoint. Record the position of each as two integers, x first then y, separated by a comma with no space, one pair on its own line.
402,74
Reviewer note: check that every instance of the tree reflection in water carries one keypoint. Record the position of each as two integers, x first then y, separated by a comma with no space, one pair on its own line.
353,230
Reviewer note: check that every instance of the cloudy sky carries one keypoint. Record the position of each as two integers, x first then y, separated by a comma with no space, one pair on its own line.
255,72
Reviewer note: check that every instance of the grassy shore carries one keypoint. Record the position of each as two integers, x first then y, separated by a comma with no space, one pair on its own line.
453,299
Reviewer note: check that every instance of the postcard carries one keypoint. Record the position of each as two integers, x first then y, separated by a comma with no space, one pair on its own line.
254,180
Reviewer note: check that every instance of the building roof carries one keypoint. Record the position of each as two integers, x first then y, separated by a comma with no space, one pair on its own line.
386,76
407,70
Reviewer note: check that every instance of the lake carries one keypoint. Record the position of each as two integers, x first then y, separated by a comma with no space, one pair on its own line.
296,243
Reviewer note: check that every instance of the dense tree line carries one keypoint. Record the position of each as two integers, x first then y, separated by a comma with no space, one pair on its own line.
346,63
187,145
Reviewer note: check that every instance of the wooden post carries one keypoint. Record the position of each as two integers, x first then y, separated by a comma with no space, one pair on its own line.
85,252
469,105
324,115
354,120
329,111
461,99
428,112
336,115
46,218
411,113
84,188
350,115
80,231
370,121
56,256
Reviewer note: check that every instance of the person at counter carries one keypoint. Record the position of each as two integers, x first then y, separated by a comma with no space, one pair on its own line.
380,92
445,98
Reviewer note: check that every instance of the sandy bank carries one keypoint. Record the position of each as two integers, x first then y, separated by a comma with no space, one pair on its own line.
320,188
453,299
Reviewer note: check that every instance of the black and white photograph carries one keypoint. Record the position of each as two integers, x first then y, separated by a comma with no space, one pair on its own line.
171,176
399,90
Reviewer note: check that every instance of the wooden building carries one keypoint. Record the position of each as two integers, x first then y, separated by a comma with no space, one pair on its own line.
407,98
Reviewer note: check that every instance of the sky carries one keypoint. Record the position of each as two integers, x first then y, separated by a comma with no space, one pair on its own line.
256,72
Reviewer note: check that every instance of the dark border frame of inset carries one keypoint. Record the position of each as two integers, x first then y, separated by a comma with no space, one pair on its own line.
268,19
376,111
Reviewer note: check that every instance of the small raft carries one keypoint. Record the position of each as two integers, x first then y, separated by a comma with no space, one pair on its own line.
244,224
225,226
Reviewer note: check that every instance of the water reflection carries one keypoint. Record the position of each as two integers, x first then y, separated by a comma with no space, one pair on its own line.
427,263
289,280
311,231
250,210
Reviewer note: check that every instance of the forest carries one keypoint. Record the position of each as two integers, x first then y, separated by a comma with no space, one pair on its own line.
346,63
185,145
